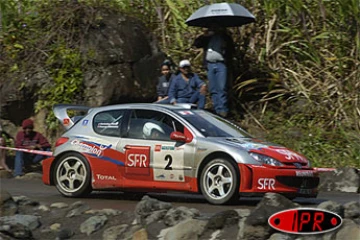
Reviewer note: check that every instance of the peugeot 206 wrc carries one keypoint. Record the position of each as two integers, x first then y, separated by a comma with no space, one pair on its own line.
159,148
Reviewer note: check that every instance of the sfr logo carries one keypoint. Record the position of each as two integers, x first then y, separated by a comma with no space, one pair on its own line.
136,160
266,183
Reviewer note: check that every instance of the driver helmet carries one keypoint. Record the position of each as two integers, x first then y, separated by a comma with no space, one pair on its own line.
149,127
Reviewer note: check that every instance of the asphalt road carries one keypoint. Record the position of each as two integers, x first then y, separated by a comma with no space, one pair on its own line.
36,190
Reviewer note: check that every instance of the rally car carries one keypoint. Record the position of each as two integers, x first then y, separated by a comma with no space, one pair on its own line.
160,148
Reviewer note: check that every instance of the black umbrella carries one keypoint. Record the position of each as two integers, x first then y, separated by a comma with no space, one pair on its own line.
220,14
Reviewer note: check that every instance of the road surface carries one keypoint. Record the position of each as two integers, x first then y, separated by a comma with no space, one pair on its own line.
36,190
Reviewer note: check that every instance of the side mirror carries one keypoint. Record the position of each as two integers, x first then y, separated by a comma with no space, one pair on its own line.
178,136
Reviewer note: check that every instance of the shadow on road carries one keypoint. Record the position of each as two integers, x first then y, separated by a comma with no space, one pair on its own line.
190,198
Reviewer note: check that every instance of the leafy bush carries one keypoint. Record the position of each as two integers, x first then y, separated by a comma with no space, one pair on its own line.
297,67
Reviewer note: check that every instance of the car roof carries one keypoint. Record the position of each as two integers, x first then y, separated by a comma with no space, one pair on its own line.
145,106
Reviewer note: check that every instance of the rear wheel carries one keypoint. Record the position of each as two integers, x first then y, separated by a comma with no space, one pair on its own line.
72,175
219,181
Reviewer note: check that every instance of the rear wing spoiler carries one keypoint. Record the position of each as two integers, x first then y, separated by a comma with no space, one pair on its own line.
61,113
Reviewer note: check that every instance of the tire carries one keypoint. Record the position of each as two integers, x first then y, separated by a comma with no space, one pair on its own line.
219,182
72,175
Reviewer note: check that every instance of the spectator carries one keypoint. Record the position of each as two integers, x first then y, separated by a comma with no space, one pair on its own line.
3,137
218,47
29,139
187,87
164,82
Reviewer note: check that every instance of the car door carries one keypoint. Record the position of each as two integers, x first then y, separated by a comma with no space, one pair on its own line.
105,159
150,153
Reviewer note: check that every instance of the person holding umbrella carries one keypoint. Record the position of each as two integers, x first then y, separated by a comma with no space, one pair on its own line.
218,48
218,45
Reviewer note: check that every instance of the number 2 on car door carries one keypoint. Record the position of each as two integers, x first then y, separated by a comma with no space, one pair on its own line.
169,164
168,158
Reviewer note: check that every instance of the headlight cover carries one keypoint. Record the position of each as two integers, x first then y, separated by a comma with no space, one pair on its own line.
266,159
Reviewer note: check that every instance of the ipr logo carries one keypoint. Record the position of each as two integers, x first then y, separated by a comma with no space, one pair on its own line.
305,221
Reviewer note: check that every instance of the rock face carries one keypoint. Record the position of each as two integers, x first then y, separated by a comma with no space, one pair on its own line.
343,180
124,67
8,206
127,60
256,225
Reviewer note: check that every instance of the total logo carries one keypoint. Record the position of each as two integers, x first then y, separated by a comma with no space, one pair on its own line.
266,183
137,160
105,177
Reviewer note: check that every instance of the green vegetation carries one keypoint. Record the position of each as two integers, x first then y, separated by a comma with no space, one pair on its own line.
297,69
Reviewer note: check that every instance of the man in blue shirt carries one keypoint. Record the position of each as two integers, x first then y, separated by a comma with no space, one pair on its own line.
218,48
187,87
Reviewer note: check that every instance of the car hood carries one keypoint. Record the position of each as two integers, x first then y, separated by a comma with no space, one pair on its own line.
278,152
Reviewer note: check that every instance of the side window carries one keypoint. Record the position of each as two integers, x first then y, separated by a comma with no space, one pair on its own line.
108,123
152,125
174,124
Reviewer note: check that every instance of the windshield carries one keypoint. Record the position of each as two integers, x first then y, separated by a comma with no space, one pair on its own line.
211,125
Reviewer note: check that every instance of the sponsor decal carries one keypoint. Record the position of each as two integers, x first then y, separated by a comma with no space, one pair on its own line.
305,221
102,146
201,149
161,176
290,155
167,148
108,125
219,11
87,148
304,173
179,136
136,160
157,148
186,113
266,183
105,177
66,121
85,122
169,161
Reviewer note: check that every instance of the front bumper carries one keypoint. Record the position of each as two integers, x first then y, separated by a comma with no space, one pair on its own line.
261,179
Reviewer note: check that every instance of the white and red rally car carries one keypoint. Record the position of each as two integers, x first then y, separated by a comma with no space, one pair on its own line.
159,148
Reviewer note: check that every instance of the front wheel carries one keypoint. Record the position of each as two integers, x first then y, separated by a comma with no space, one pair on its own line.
72,175
219,181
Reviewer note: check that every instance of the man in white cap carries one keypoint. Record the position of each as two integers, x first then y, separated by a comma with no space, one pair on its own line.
187,87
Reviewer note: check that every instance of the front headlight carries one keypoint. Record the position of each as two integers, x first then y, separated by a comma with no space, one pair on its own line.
265,159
